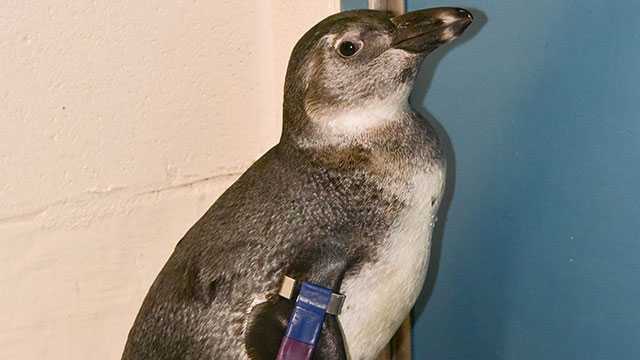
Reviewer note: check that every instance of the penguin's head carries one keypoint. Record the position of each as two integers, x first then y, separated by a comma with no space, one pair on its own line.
354,71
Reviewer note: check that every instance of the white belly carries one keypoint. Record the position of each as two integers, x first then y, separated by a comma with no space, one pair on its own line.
383,293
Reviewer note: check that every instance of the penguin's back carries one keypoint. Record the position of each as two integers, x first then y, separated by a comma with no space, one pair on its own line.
197,307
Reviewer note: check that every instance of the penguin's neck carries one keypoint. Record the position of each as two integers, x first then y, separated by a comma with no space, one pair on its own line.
397,142
356,125
362,121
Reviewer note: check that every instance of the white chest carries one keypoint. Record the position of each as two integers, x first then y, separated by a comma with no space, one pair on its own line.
383,293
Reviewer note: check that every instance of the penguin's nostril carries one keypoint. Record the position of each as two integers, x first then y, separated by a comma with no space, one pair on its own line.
465,13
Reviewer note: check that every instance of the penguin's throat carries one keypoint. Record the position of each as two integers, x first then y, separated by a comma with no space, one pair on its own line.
361,120
338,127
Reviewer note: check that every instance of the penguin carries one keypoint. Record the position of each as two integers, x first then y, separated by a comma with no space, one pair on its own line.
346,200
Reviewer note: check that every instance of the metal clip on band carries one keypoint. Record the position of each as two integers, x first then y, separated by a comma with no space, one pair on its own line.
305,323
290,287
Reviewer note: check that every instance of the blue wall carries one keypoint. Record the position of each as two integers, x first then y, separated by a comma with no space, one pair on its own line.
540,253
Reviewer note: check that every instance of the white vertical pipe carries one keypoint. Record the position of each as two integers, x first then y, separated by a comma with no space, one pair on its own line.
394,6
378,4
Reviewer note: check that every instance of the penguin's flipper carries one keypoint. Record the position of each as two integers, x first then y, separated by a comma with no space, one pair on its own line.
331,344
267,322
266,327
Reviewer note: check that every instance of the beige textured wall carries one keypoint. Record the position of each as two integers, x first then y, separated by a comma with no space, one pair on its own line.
120,123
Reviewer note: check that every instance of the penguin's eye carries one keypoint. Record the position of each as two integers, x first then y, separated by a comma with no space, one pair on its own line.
349,48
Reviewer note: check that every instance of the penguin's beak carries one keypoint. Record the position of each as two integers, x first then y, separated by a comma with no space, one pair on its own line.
425,30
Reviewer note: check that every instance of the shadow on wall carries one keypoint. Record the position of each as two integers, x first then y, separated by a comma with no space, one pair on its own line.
423,84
